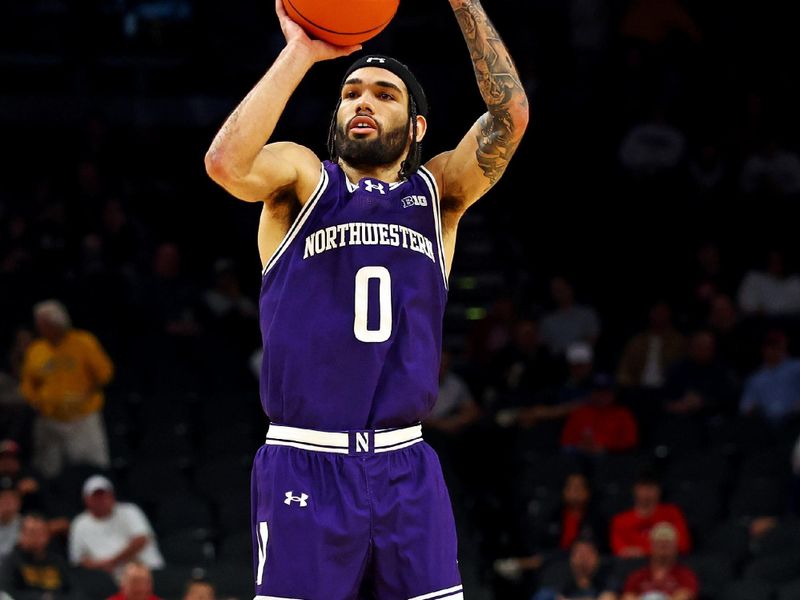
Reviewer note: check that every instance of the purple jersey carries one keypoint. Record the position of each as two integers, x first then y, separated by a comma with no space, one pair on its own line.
351,306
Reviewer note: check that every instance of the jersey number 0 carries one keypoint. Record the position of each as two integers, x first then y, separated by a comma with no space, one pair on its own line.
384,330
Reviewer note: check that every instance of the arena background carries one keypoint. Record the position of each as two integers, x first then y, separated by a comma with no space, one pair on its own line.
108,106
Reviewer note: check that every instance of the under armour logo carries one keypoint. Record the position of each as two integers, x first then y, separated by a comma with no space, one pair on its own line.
369,186
302,499
376,59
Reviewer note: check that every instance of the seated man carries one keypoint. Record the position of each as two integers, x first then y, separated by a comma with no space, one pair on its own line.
109,534
630,530
663,578
32,569
601,425
587,580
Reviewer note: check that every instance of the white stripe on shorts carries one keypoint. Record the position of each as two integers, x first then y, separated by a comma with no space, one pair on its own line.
273,598
453,593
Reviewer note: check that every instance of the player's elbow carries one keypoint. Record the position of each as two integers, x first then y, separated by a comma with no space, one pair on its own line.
217,167
520,116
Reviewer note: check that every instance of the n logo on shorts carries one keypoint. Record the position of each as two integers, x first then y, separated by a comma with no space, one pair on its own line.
302,499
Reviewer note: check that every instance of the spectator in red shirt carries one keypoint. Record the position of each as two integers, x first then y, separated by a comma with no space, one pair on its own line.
601,425
663,578
136,584
630,530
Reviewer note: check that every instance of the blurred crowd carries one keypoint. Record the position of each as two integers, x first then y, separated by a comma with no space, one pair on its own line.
618,410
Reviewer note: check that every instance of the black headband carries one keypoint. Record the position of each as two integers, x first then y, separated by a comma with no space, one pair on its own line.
399,69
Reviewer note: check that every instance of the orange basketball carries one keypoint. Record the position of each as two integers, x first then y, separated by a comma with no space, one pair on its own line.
342,22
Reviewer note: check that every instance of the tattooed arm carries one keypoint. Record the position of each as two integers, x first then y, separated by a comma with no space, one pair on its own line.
469,171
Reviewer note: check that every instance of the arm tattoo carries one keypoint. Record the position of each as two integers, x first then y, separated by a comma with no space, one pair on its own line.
500,86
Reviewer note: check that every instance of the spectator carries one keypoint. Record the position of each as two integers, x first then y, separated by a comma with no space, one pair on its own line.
455,408
199,589
576,517
231,323
630,530
570,395
653,147
663,578
26,482
774,390
587,579
734,346
772,292
708,281
649,354
523,367
708,170
14,411
569,322
700,383
773,171
32,569
656,21
63,376
601,425
110,534
136,584
10,520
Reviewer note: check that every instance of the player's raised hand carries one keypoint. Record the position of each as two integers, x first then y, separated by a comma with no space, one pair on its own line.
319,49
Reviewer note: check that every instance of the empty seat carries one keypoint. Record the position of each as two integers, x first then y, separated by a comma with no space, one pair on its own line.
232,579
621,568
184,512
704,467
747,590
189,547
789,591
223,477
92,584
149,481
170,581
713,572
730,539
700,502
775,570
759,496
236,547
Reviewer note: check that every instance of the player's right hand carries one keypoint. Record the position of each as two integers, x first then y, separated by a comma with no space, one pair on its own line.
319,49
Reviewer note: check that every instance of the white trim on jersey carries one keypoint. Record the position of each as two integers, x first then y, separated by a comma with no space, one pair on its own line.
430,181
338,442
273,598
454,593
302,217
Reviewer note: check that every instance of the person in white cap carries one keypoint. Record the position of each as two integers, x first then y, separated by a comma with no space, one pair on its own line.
110,534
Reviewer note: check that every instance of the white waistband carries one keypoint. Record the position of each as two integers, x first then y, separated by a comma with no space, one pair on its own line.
344,442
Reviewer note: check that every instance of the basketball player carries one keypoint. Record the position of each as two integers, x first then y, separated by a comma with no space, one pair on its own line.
348,501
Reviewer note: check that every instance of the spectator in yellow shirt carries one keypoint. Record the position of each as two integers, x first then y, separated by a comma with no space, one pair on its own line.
63,375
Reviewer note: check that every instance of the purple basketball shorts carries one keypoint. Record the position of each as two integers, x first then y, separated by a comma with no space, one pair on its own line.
352,516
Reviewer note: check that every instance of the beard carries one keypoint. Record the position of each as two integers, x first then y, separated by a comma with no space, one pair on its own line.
385,149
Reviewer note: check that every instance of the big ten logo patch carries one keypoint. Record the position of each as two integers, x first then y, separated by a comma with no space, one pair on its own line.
414,201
